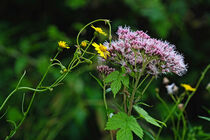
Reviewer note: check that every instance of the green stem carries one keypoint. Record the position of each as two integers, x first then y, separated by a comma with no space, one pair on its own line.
31,101
86,26
143,80
5,101
10,95
184,126
145,89
169,115
196,87
180,99
104,97
172,118
135,89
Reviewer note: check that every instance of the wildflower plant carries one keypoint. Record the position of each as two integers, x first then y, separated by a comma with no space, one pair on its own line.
177,114
81,55
125,65
130,61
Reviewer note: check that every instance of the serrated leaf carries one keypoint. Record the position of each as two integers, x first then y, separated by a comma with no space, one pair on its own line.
123,69
125,80
124,134
127,124
116,86
117,121
146,116
112,76
134,126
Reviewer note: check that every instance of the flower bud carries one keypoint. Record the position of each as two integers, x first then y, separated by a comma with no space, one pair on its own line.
181,106
165,81
88,61
50,89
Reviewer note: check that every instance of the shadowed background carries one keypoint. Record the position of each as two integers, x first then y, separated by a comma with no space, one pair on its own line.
30,30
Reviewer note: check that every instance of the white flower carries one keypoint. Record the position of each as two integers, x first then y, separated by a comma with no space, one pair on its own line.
171,89
110,115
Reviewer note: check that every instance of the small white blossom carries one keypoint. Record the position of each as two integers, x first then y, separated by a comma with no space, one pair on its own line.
172,88
110,115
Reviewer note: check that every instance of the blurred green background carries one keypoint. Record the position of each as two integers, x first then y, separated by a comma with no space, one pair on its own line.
30,30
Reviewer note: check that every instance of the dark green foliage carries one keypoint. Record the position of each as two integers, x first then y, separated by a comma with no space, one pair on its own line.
29,31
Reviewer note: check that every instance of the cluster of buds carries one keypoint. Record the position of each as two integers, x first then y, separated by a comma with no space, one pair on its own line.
133,49
103,69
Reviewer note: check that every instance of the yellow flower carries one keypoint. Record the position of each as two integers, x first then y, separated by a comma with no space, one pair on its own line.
99,30
188,87
102,50
63,44
84,43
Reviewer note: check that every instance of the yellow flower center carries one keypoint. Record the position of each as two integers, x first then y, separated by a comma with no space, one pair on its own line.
102,48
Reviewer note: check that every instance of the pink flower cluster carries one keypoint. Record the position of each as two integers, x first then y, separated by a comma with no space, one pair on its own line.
103,69
133,49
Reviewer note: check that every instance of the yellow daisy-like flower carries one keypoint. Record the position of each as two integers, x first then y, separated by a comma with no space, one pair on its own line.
63,44
84,43
99,30
188,87
101,49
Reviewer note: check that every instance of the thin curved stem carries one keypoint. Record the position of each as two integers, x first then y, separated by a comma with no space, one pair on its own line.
31,101
169,115
86,26
145,89
10,95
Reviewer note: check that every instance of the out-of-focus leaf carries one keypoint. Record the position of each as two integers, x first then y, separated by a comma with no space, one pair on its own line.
20,64
14,114
205,118
75,4
43,63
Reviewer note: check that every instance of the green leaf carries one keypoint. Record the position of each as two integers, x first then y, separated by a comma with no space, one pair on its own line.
20,64
112,76
116,86
127,124
14,114
134,126
146,116
141,103
124,134
205,118
149,135
116,121
125,80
